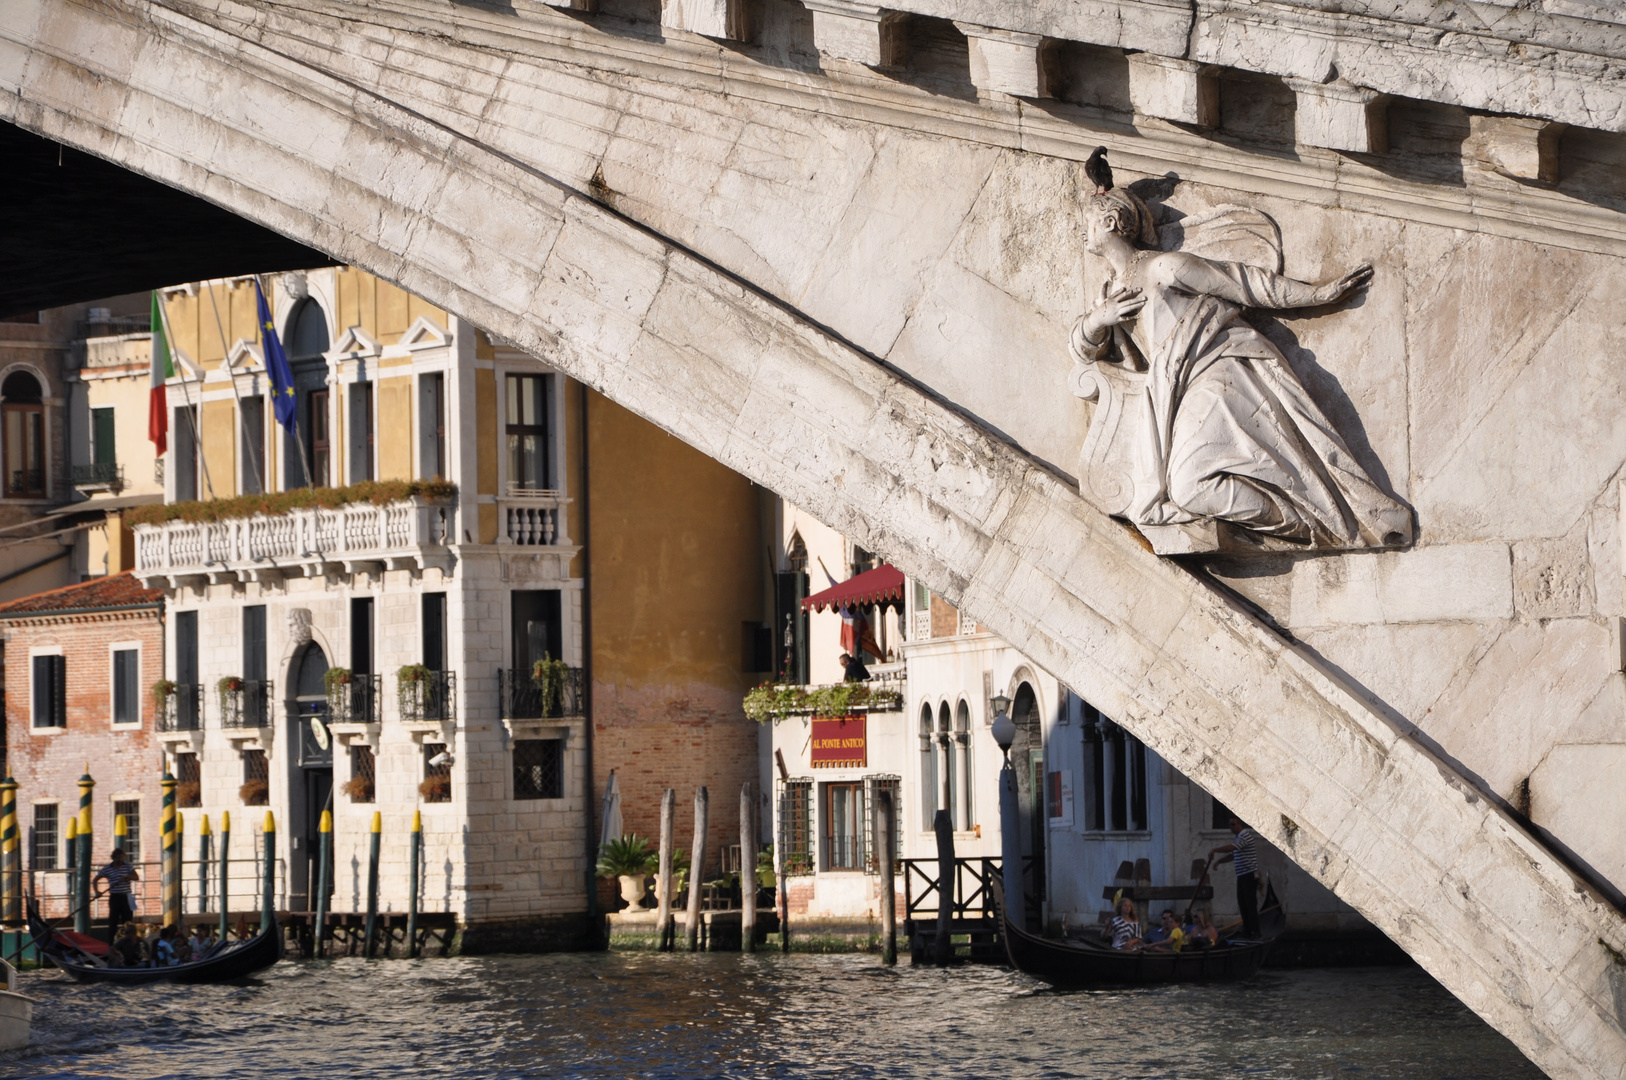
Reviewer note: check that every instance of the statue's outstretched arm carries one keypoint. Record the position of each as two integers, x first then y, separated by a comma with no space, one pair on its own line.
1255,287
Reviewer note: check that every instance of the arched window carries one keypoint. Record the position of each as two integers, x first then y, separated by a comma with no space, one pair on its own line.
796,554
305,341
962,736
1027,757
928,765
307,331
24,421
946,774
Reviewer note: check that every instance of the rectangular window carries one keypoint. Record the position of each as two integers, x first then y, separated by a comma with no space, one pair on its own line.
796,825
130,811
183,447
1115,795
253,437
529,400
188,781
432,426
50,679
437,775
539,768
873,785
254,642
103,442
361,635
536,618
434,631
45,837
320,445
843,826
188,696
126,686
361,437
363,774
1219,814
256,789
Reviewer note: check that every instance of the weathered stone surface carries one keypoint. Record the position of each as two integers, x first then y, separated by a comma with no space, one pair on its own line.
1466,583
1173,89
863,33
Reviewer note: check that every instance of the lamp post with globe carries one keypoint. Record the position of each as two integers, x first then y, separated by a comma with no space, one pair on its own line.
1010,846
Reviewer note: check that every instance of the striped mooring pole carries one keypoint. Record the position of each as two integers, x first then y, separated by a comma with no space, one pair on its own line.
372,885
11,877
324,872
75,902
203,865
180,853
412,883
87,794
268,900
171,893
225,839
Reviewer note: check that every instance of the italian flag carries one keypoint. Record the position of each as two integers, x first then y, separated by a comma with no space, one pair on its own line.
163,367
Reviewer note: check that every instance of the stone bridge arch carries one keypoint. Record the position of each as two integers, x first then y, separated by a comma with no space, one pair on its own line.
446,182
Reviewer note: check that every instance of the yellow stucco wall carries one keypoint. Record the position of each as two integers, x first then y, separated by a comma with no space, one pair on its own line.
195,330
394,428
220,448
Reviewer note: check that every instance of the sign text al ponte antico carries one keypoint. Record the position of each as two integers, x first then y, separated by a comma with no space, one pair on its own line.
839,743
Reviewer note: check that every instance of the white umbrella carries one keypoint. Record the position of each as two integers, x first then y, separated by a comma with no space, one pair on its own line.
610,813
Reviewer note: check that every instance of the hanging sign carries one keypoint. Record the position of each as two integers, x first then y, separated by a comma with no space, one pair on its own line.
319,732
839,743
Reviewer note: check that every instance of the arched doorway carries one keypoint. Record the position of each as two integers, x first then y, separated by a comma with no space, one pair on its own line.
310,780
1027,758
24,408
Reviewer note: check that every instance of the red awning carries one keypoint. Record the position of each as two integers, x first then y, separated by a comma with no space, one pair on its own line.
881,585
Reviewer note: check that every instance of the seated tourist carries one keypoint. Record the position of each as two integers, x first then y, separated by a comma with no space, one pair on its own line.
126,950
1125,926
198,943
1201,932
166,955
1167,935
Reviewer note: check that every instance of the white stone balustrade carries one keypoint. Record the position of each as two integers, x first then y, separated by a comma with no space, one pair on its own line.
360,538
530,518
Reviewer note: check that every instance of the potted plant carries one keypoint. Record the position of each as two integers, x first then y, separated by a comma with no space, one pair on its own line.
549,675
226,687
188,793
436,789
359,788
628,858
334,682
255,792
162,691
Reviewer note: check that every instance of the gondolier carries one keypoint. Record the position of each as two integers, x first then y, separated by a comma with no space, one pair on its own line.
1242,852
118,874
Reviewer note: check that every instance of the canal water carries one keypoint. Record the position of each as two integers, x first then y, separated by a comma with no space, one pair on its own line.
726,1015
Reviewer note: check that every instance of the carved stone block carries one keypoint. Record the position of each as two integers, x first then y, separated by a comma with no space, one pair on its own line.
1183,91
1515,146
1340,116
572,5
862,33
727,20
1006,62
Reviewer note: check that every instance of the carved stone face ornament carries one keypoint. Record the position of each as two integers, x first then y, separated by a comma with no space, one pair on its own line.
1202,428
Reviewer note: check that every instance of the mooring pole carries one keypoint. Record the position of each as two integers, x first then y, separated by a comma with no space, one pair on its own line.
180,860
75,902
943,826
412,883
1010,849
663,882
748,867
169,895
372,884
697,865
204,840
11,884
225,863
885,830
268,885
324,856
121,841
87,789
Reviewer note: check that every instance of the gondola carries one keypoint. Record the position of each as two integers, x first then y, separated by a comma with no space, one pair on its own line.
1077,964
84,957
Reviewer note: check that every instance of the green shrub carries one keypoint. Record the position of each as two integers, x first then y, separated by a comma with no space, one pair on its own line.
376,492
626,855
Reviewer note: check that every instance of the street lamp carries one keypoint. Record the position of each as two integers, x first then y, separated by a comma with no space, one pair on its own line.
1010,846
1004,732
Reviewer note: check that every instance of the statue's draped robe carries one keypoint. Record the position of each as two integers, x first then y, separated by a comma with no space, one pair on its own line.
1227,431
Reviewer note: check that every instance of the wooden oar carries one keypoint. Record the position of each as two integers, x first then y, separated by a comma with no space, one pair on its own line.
1209,865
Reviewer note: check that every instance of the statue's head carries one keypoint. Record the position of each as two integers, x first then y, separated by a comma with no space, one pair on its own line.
1119,212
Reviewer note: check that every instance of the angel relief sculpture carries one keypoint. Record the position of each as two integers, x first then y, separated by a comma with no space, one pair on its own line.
1203,434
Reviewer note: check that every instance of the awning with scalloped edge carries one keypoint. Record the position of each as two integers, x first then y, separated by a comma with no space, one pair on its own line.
882,585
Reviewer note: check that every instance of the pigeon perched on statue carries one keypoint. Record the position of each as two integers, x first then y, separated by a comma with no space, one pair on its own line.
1099,172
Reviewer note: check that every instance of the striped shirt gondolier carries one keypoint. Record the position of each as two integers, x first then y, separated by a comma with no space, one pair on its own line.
1247,859
118,877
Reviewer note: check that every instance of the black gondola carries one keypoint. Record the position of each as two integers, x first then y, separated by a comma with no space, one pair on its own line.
76,955
1075,964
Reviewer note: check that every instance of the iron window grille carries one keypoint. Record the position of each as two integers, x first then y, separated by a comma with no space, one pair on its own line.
796,825
256,789
188,782
183,709
363,775
130,811
45,853
539,768
873,785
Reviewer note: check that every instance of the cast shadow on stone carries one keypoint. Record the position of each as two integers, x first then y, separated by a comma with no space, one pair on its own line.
636,19
782,37
934,56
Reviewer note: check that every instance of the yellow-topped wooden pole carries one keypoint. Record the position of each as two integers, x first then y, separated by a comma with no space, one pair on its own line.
170,896
87,796
225,838
75,902
11,879
203,864
372,885
268,901
180,859
324,878
412,883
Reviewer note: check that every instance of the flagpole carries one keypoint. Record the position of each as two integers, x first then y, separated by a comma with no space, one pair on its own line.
192,417
225,353
304,461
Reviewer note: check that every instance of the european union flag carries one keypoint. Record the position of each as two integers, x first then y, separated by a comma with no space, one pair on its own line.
276,365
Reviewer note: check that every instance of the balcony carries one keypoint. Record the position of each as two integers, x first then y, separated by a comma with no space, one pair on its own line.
180,714
355,710
247,710
359,537
523,698
531,517
98,476
428,702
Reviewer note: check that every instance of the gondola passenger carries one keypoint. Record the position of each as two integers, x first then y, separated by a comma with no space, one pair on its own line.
126,951
1167,936
1201,931
166,956
1126,926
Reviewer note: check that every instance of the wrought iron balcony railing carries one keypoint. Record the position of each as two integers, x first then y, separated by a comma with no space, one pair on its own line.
524,698
248,707
358,701
182,710
107,474
430,699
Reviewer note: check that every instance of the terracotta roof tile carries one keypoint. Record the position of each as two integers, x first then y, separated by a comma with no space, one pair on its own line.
114,590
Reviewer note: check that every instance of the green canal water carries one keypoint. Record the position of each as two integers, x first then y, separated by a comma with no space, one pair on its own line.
727,1015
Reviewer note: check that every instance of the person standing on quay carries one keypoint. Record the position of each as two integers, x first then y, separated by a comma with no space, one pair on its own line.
118,874
1242,852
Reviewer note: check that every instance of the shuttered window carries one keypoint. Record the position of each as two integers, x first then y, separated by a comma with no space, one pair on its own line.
50,679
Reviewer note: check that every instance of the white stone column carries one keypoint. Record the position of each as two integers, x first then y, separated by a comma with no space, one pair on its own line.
1183,91
863,33
1006,61
1340,116
728,20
